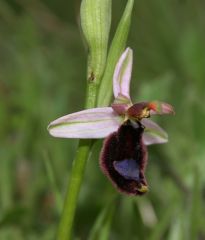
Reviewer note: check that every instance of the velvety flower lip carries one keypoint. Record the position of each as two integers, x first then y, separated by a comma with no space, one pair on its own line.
123,159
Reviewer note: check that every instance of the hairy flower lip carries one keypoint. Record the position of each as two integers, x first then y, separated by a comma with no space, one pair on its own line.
117,167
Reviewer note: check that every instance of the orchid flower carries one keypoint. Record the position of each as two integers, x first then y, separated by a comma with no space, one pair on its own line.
126,129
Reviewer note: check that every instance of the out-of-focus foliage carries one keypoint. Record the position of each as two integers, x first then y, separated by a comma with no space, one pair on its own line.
42,77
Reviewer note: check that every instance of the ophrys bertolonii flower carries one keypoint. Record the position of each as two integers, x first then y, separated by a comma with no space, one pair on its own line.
126,128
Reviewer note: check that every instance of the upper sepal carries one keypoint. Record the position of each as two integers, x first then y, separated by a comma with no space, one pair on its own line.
122,75
90,123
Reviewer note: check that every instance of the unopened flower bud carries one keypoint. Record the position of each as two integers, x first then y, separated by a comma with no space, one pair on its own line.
95,22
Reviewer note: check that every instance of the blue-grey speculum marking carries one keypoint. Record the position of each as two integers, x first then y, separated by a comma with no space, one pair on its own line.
128,168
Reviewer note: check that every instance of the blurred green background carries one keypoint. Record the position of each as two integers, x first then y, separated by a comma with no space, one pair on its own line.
42,77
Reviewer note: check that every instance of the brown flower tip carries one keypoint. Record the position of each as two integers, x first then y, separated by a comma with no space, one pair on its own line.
123,159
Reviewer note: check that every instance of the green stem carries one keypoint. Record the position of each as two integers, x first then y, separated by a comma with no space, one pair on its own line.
66,223
77,173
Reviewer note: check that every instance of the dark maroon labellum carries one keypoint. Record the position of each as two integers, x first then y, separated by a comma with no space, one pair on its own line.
124,157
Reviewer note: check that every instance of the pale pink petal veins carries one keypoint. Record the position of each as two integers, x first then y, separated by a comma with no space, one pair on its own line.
153,133
90,123
122,74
